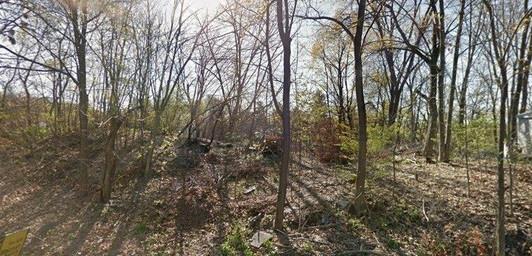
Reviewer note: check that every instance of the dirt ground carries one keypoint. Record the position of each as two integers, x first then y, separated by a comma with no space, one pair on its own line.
194,200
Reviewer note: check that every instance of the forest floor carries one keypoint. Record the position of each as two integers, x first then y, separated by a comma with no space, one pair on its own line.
193,204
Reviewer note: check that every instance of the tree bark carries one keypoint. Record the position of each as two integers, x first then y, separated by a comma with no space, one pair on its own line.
432,128
500,216
521,71
361,110
79,20
441,83
472,45
526,73
285,34
110,160
448,136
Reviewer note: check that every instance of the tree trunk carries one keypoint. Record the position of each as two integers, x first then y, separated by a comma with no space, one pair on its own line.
433,116
463,91
286,139
526,73
500,175
500,230
412,107
395,92
110,160
441,84
80,42
361,111
154,142
448,136
432,128
516,95
472,44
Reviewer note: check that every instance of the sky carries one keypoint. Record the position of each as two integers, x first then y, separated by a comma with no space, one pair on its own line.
208,5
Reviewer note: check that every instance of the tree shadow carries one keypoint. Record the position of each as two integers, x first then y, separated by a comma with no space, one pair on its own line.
94,211
407,216
131,212
338,231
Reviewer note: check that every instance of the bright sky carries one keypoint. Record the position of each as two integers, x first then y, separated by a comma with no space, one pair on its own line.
209,5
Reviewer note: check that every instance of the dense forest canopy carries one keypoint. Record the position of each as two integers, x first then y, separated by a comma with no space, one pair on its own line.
342,82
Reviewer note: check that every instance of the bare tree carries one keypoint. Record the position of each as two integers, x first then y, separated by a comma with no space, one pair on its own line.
500,52
285,22
431,58
357,40
119,72
177,51
473,37
448,134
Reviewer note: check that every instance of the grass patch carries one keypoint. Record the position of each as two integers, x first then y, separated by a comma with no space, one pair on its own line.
236,243
140,229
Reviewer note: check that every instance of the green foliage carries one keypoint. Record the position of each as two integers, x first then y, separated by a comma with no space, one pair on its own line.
349,145
36,132
354,224
346,173
140,228
307,249
315,127
396,215
380,138
392,244
28,135
268,249
236,243
176,114
479,135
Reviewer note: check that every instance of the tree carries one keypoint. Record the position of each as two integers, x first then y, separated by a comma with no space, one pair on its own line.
361,108
431,59
356,39
473,37
503,84
285,21
177,49
78,15
12,15
118,73
522,64
456,54
441,80
397,75
501,50
335,52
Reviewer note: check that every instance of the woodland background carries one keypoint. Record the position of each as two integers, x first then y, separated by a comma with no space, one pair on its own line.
351,127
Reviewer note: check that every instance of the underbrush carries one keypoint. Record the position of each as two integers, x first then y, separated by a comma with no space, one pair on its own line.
236,243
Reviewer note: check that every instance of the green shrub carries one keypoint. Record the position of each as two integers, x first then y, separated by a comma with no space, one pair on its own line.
307,249
392,244
140,228
479,134
380,138
236,243
354,224
268,248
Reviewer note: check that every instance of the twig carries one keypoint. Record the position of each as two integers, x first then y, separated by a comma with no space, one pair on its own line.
424,212
320,226
358,252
